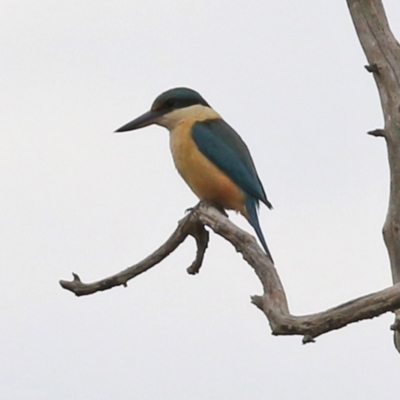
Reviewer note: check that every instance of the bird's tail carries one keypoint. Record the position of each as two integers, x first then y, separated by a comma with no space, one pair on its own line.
251,207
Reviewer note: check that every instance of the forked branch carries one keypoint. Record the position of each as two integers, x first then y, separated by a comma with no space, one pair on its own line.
273,301
187,226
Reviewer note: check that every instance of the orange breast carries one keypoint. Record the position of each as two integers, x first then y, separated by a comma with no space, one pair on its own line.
206,180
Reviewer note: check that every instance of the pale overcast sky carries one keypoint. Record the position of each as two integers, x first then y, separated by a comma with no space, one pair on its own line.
289,76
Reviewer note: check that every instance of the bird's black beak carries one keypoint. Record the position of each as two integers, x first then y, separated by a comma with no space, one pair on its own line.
146,119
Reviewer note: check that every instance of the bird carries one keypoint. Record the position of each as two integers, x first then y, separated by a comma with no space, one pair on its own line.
208,153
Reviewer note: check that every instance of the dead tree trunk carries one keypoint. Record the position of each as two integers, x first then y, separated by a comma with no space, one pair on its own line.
383,54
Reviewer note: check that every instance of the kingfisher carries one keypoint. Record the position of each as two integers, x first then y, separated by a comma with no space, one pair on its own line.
209,155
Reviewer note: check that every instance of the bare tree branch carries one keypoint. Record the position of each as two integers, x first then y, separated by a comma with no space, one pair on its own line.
187,226
383,54
273,301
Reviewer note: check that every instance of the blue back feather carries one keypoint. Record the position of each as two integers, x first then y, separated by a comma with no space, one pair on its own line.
226,149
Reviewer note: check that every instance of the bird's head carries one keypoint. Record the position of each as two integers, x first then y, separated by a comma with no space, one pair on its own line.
168,108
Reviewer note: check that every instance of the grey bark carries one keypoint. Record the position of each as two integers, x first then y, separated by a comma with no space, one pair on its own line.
383,54
273,300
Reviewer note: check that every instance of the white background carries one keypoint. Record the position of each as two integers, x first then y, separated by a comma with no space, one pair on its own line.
289,77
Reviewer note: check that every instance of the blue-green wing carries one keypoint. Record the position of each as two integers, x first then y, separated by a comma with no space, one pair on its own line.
226,149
